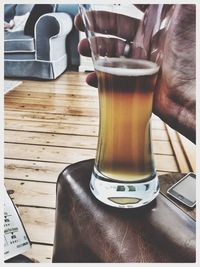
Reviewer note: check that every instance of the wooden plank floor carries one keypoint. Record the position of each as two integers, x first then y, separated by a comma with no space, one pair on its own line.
49,125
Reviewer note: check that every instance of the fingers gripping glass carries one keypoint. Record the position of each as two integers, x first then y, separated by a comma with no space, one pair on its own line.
120,39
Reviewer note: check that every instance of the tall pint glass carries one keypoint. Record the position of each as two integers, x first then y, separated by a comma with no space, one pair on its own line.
120,37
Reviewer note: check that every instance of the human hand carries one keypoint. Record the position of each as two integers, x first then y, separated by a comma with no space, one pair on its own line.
9,25
174,98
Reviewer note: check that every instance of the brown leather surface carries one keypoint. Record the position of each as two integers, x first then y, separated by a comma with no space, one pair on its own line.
89,231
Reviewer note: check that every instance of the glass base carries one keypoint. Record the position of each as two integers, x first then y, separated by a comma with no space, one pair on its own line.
124,194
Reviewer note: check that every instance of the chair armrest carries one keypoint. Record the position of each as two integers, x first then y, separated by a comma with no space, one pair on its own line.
48,27
87,230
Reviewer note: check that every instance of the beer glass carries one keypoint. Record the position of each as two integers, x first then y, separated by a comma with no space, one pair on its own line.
120,38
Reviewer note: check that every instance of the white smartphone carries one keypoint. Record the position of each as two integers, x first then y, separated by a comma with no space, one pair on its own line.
185,190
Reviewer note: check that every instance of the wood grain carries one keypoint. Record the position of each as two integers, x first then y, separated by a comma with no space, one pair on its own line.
48,117
76,141
33,170
48,154
29,193
190,152
69,94
43,253
176,146
59,140
72,155
39,223
50,127
52,102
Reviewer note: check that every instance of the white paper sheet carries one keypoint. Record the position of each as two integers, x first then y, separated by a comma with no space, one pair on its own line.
16,240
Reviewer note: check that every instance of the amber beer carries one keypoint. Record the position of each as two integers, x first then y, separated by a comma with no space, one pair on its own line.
126,89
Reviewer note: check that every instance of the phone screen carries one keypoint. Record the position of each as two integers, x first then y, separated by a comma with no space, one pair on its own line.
187,188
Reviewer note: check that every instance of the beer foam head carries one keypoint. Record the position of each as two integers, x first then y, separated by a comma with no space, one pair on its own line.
126,67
